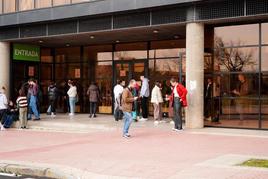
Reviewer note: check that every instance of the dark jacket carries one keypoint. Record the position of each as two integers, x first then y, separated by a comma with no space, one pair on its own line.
93,93
52,92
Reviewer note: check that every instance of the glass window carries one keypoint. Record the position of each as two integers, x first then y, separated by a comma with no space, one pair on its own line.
78,1
130,55
1,7
264,30
9,6
104,83
98,53
264,59
236,35
68,54
246,84
264,85
26,5
236,59
237,112
43,3
61,2
164,53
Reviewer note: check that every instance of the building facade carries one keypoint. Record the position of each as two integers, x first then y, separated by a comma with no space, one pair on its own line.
221,41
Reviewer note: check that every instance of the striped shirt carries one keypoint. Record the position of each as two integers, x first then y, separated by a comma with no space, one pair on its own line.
22,102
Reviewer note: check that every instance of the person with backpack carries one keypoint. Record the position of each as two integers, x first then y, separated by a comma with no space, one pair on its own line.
52,97
178,99
118,90
22,105
3,107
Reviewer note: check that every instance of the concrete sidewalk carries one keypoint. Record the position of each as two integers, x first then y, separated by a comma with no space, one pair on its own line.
152,152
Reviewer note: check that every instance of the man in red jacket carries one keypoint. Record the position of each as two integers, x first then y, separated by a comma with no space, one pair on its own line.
178,98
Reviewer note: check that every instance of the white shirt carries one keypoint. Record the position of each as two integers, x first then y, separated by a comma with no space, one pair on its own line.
3,101
72,92
176,94
118,89
156,95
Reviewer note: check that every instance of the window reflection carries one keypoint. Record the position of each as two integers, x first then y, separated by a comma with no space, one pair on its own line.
104,83
264,31
236,59
78,1
237,35
26,5
264,59
43,3
61,2
130,55
163,53
1,6
9,6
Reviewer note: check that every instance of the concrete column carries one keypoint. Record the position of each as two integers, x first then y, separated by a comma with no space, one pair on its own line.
5,66
195,75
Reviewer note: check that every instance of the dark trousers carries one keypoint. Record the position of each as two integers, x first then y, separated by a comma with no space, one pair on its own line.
52,103
93,107
144,107
177,113
2,114
208,107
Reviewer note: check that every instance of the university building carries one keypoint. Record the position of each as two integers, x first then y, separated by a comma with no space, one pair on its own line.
225,41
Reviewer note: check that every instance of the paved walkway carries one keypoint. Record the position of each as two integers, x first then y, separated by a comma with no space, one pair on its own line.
152,152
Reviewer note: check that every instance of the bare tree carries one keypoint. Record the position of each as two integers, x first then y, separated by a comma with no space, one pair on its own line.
233,59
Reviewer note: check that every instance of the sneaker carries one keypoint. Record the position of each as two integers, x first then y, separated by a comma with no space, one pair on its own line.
156,122
176,130
126,136
171,122
94,115
3,128
71,114
143,119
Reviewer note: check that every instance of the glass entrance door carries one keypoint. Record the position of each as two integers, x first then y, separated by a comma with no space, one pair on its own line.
127,70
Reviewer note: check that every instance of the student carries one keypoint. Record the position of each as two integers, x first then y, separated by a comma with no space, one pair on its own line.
178,98
127,104
22,106
33,98
118,90
157,101
52,97
144,94
72,93
3,107
93,93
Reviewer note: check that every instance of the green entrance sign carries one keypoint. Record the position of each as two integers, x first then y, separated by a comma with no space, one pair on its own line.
26,52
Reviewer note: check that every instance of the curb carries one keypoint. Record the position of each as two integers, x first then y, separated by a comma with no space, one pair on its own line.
50,171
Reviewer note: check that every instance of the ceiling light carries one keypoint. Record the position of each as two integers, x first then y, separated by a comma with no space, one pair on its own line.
92,36
40,41
117,41
176,36
155,31
67,45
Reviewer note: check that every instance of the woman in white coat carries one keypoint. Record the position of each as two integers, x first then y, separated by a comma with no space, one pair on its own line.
157,101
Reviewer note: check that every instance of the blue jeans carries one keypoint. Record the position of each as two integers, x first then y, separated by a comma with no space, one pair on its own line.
33,108
72,101
128,120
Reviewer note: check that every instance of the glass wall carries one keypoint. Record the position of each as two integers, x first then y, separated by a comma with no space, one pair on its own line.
43,3
9,6
26,5
239,81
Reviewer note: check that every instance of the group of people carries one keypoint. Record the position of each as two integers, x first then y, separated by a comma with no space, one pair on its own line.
26,104
126,102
